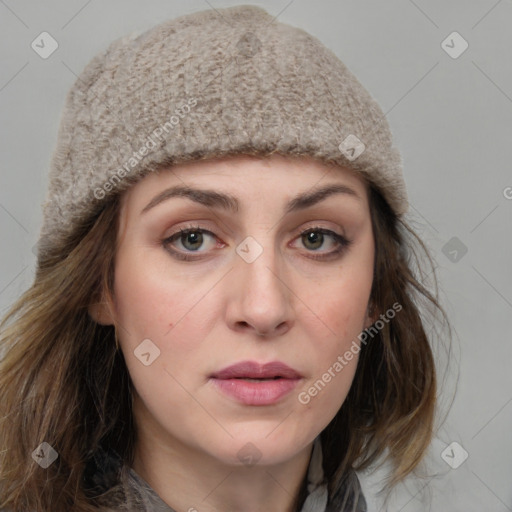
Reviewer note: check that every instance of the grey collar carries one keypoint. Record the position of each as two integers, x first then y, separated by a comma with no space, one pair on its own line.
317,487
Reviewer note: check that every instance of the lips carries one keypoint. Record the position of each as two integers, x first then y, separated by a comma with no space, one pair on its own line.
252,383
253,370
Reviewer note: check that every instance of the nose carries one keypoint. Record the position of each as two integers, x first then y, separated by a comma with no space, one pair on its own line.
261,299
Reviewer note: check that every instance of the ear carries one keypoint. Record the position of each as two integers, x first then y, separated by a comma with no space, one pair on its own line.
102,312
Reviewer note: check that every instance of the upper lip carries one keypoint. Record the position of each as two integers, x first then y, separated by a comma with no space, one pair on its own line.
254,370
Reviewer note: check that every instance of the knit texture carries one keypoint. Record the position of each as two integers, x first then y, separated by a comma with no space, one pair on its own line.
213,83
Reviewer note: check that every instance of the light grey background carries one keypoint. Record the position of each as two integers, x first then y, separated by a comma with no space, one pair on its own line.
452,120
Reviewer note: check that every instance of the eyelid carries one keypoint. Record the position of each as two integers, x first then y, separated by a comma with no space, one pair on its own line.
342,241
185,229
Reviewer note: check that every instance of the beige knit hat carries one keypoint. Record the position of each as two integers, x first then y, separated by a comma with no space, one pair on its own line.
212,83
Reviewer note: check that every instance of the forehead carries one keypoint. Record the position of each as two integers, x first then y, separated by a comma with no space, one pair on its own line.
239,184
247,175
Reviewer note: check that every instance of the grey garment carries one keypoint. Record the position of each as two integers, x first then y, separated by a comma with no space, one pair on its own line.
131,492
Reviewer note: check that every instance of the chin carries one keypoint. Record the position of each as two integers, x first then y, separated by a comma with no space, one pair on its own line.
250,447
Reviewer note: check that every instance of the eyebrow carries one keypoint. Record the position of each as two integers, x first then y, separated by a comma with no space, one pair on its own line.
221,200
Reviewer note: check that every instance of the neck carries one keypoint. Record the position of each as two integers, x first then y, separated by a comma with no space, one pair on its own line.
188,479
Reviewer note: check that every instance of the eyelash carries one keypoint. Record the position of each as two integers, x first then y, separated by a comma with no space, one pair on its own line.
343,243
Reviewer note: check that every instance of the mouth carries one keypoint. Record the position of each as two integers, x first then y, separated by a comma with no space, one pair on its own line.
248,379
251,370
252,383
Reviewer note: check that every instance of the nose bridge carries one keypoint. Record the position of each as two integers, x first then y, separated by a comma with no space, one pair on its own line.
263,296
260,261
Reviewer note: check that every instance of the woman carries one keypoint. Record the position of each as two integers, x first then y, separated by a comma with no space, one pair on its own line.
224,315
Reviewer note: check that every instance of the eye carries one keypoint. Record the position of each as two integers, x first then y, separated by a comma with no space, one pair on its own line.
314,239
192,238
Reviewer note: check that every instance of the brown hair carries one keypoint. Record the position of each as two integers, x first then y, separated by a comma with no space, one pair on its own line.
63,380
389,412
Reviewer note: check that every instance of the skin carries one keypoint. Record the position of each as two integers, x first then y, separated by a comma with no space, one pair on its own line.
206,314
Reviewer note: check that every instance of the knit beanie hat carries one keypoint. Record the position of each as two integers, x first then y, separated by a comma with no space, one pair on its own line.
210,84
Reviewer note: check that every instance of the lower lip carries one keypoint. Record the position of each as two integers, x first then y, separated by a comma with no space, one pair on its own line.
264,392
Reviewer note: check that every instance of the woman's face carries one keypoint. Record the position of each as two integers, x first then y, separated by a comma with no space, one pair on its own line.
260,278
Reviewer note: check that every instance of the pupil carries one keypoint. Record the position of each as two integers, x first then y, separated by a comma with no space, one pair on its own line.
194,237
315,237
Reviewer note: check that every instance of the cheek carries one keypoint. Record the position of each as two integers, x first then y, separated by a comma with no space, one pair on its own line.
340,309
147,301
150,306
335,356
337,353
139,300
169,310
